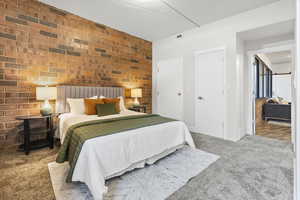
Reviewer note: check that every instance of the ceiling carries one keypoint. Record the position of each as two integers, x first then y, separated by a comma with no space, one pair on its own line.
281,57
278,62
273,30
156,19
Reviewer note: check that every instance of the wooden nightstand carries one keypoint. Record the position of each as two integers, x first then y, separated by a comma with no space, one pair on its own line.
140,108
48,129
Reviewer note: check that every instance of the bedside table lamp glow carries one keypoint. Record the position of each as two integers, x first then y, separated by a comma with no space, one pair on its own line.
46,94
136,93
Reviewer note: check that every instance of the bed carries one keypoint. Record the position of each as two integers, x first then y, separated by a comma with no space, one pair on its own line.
102,158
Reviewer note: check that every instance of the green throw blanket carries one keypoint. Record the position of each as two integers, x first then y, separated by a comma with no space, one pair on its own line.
79,133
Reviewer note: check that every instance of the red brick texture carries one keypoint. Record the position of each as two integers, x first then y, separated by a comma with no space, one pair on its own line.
40,44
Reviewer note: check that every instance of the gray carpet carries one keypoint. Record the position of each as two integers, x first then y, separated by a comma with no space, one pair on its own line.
255,168
153,182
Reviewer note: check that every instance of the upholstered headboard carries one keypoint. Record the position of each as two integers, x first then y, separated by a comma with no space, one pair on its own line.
64,92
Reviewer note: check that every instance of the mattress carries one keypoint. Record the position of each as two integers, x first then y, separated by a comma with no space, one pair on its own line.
108,156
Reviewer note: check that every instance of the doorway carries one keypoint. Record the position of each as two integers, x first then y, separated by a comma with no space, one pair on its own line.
273,93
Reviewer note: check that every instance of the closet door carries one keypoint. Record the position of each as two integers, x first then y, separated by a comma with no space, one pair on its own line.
210,101
170,87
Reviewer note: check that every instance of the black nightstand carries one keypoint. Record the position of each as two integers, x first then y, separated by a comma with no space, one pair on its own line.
140,108
37,144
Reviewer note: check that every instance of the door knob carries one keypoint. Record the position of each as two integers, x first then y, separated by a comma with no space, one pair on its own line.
200,98
179,94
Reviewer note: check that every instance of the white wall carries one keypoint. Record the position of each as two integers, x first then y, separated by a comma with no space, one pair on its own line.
282,68
219,34
282,86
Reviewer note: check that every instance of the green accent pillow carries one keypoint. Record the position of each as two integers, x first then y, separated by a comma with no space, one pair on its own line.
106,109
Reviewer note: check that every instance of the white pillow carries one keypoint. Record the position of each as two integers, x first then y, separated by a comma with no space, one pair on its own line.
122,104
102,97
77,105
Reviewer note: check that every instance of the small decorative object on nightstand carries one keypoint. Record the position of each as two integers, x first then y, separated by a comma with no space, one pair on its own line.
48,129
46,94
140,108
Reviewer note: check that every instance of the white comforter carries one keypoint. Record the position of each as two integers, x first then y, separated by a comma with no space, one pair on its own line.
105,157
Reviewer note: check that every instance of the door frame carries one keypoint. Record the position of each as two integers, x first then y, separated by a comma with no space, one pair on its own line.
297,95
252,85
182,85
223,49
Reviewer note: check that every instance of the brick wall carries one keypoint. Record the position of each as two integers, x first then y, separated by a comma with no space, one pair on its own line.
40,45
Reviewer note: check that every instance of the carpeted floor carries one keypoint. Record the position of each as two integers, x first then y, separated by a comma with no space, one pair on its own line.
254,168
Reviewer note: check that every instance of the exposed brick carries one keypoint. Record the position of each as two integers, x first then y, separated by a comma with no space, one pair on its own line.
48,34
14,66
81,52
8,107
73,53
7,59
100,26
8,36
81,41
28,18
11,77
54,50
106,55
8,83
49,74
134,61
116,72
12,124
15,20
43,22
106,79
58,11
100,50
65,47
57,70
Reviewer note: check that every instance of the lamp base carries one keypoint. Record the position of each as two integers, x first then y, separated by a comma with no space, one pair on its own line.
46,109
46,112
136,102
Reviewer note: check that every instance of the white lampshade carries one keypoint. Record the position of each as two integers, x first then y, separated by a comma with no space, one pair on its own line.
136,93
46,93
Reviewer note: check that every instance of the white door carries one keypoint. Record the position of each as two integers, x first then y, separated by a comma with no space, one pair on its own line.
210,101
170,87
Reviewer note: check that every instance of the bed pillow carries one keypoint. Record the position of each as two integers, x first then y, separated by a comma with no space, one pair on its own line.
90,106
106,109
122,102
113,100
76,106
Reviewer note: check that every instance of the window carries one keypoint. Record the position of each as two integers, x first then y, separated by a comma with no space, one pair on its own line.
264,80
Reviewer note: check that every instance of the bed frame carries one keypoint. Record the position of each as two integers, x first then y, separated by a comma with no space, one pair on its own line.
64,92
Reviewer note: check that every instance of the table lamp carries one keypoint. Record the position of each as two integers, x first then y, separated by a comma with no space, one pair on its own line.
46,94
136,93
